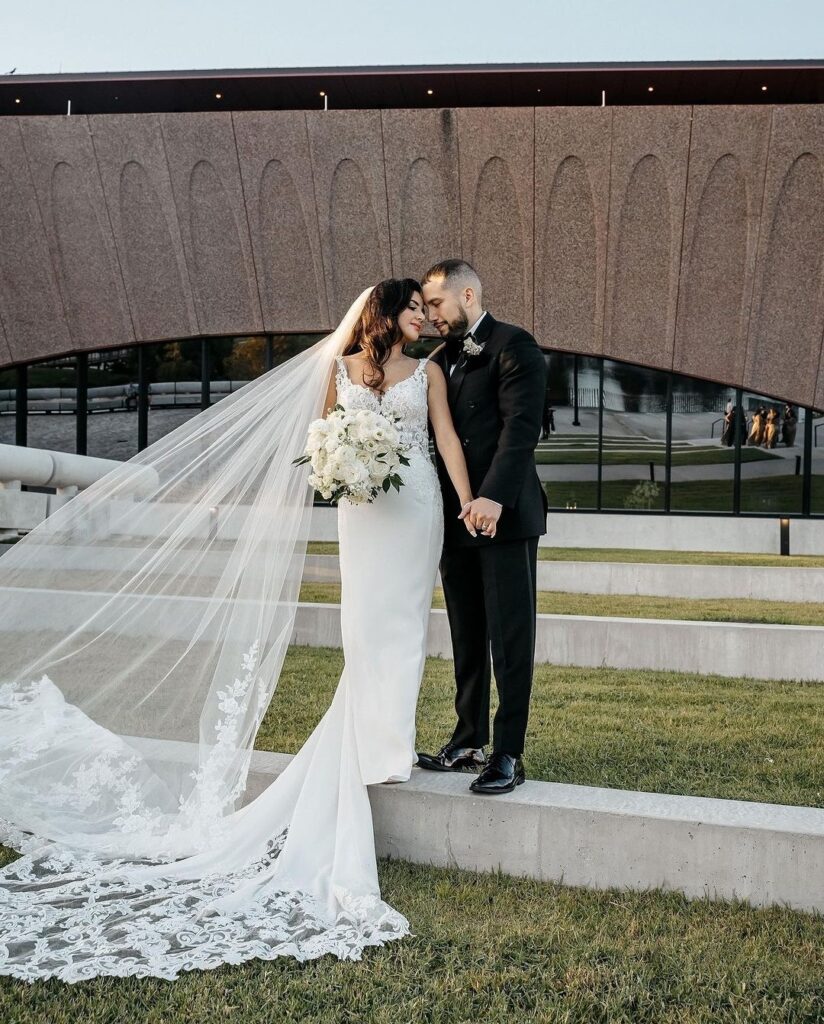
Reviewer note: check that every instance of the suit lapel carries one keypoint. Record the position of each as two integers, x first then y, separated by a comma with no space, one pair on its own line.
482,334
456,378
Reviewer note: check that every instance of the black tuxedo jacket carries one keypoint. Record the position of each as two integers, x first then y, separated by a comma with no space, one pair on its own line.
497,401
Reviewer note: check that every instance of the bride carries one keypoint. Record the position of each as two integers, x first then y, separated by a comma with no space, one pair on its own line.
143,628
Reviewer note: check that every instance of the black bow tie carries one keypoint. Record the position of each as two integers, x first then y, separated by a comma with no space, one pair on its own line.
455,345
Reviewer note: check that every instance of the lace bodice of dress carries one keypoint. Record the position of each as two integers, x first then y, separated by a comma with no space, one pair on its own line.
406,399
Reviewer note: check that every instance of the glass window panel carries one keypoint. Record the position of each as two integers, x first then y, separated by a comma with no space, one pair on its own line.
233,362
772,463
52,423
634,438
703,445
817,482
111,423
8,385
567,454
174,373
284,346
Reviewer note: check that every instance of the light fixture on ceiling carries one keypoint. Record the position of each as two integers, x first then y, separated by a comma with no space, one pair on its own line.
650,88
218,95
763,88
429,92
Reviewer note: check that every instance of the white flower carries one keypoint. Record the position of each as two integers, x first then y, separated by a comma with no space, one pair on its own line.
471,347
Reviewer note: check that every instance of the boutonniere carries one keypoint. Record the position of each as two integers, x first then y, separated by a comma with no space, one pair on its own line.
471,347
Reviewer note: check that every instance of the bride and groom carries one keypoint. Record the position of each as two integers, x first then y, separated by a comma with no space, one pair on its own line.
294,872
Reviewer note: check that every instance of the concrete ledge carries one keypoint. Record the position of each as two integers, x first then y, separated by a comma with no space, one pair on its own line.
714,648
757,582
761,583
707,648
658,532
682,533
767,854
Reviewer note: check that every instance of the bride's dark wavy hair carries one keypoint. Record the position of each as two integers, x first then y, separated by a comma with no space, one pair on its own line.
377,329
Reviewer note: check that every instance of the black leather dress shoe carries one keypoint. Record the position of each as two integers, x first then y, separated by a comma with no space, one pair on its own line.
453,759
501,775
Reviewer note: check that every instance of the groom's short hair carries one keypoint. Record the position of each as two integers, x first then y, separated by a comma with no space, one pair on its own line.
456,274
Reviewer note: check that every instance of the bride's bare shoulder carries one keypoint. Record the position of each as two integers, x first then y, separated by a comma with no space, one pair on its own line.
433,370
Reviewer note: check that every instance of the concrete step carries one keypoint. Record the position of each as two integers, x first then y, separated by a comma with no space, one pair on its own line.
767,854
708,648
728,649
759,583
654,531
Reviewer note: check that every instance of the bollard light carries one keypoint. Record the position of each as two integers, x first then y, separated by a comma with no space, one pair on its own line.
785,536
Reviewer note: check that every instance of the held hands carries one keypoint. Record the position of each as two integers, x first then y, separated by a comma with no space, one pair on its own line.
481,514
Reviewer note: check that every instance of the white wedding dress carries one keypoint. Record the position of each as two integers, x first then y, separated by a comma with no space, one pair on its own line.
294,873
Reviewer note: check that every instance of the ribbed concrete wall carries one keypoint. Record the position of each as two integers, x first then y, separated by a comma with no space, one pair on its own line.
689,238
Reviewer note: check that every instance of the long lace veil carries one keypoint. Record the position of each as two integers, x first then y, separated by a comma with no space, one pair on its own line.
143,626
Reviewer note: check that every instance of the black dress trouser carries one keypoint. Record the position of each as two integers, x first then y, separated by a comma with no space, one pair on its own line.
491,603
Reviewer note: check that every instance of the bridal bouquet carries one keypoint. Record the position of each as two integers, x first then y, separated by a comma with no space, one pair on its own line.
354,455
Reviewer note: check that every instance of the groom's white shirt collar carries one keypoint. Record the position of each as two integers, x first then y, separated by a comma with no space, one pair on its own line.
474,327
471,330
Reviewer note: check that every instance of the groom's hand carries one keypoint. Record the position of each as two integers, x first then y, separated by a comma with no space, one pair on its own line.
483,514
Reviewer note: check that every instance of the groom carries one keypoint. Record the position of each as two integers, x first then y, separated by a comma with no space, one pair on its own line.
496,381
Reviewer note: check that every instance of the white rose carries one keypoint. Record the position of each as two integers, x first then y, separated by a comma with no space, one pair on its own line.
377,471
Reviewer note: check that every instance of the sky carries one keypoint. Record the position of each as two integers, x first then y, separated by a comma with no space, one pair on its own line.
51,36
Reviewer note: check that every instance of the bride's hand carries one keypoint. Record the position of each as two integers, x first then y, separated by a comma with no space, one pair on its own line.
466,519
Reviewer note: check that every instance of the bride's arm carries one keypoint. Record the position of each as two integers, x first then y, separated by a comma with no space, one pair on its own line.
331,396
448,442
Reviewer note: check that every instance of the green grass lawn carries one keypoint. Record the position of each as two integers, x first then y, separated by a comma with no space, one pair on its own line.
635,606
497,949
646,555
661,732
700,457
651,556
777,494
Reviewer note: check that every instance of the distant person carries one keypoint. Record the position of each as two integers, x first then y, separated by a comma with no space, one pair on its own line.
548,422
756,426
789,426
771,428
727,434
741,423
